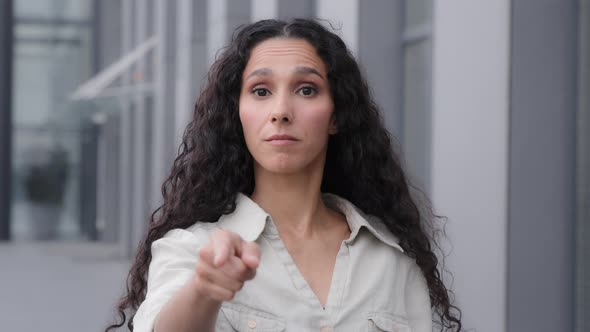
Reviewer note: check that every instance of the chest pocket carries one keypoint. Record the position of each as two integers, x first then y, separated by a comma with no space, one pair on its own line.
244,319
379,322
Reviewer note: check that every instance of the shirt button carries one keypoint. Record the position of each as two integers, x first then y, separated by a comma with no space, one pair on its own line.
326,329
252,324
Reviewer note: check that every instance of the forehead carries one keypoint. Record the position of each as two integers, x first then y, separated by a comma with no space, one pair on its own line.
284,51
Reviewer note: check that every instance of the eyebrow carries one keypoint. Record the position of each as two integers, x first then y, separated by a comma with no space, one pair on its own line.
298,70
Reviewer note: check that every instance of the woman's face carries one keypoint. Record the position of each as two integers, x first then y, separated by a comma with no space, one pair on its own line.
286,108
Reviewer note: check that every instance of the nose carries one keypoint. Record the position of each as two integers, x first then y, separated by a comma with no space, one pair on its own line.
281,118
282,113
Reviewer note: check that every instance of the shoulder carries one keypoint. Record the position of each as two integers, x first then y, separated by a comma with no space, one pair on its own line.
194,236
247,220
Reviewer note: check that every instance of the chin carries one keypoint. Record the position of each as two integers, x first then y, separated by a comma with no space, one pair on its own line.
284,165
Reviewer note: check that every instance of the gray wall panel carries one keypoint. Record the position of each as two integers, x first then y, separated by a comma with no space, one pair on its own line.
199,51
380,55
289,9
583,174
238,13
542,166
108,43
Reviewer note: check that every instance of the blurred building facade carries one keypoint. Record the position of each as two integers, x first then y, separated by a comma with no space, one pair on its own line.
488,100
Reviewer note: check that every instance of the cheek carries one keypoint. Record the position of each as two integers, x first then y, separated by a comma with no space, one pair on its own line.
318,118
248,117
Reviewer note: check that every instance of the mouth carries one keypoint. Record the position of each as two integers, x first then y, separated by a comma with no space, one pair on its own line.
281,140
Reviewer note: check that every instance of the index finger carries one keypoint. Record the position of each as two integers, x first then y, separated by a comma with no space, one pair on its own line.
250,254
225,244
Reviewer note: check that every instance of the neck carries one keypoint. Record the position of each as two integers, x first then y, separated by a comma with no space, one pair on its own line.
293,200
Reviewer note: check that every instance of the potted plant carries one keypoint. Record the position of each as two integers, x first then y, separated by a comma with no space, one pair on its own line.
45,185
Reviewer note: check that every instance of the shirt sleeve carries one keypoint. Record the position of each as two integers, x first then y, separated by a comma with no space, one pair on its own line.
419,311
174,258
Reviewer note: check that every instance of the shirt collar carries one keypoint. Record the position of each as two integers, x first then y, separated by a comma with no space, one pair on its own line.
249,220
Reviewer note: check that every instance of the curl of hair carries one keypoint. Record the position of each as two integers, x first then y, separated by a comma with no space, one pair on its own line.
362,164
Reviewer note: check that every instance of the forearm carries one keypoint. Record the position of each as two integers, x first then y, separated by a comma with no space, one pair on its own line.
188,311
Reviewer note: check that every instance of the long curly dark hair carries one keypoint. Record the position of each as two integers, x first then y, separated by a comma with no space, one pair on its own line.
362,165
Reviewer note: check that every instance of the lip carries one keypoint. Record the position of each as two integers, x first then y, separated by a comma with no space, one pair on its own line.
281,140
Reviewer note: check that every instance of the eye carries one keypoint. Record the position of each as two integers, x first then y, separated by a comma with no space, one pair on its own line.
260,92
307,91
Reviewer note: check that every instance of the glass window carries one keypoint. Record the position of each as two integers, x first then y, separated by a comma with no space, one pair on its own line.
52,55
417,91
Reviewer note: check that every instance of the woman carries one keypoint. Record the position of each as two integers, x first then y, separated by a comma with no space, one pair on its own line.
287,208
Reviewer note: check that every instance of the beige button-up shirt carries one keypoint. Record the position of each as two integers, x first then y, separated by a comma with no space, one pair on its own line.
375,286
